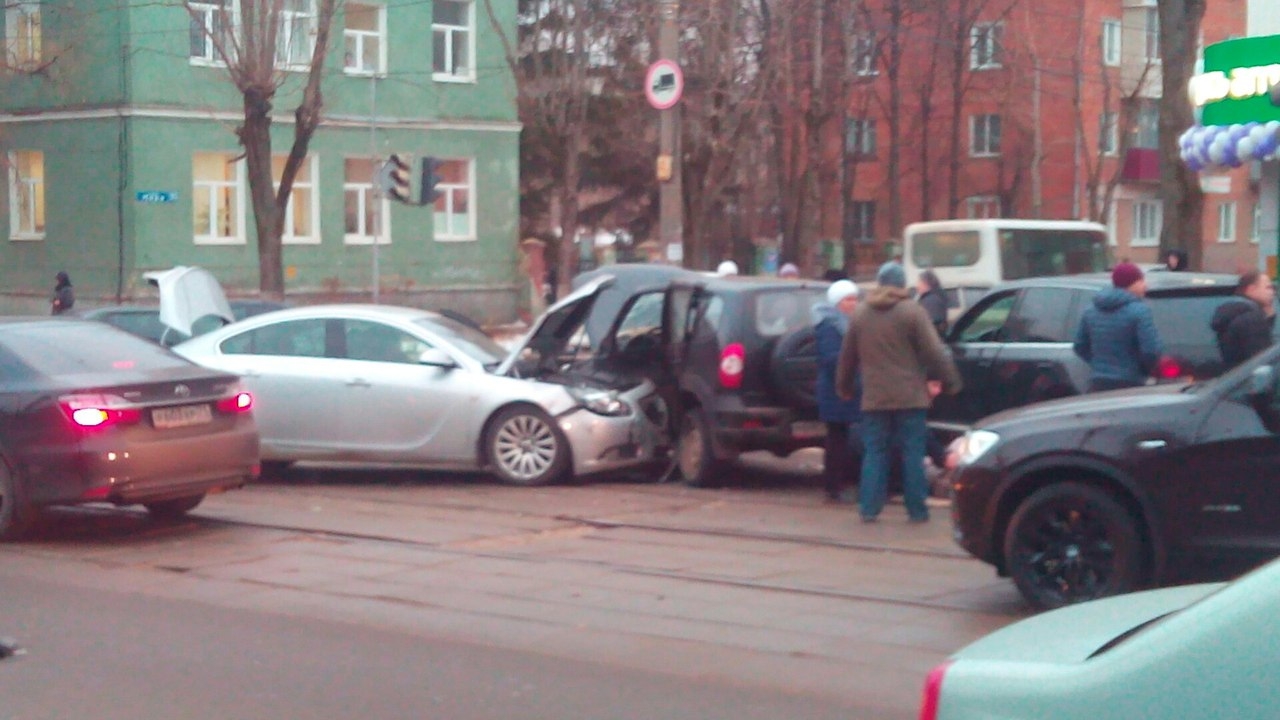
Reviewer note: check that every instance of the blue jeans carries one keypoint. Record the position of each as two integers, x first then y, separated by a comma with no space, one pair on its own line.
884,431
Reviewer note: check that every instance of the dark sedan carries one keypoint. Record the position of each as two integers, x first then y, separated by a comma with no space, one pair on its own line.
90,413
1097,495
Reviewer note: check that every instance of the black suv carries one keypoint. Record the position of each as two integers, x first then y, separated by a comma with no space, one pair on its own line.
1013,347
732,356
1100,494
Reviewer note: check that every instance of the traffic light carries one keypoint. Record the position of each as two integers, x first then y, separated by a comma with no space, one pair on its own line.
399,175
428,194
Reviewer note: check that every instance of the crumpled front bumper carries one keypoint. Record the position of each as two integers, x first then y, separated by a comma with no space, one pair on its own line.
603,443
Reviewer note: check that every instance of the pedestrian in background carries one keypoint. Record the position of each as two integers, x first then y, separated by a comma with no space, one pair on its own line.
1117,335
903,365
64,297
842,454
1244,326
1176,261
929,295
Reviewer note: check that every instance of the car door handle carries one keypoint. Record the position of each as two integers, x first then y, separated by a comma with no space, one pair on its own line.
1152,444
359,382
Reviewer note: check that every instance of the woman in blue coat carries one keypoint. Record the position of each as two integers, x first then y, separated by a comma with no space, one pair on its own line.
842,459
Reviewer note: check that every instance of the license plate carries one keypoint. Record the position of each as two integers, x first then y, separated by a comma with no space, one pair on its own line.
181,416
808,429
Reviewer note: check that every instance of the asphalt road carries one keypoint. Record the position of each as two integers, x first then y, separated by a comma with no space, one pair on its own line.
397,594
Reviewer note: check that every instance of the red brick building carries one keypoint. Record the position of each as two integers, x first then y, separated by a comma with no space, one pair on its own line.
1018,108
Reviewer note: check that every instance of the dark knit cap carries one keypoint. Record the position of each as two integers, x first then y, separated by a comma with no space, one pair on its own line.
1125,274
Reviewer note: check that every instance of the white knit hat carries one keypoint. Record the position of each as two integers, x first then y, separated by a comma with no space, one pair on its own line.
728,267
840,290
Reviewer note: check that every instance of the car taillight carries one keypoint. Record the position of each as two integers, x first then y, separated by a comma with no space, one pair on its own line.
95,411
732,361
933,692
1169,369
239,402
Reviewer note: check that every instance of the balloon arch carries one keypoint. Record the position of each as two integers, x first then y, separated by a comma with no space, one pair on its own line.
1228,146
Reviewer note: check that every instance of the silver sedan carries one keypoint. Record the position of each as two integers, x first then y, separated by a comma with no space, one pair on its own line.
376,385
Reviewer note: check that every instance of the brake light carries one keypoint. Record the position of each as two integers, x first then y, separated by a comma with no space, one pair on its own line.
732,363
933,692
1168,369
95,411
239,402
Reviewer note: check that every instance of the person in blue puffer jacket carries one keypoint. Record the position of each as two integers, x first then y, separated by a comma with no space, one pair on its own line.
1117,335
842,457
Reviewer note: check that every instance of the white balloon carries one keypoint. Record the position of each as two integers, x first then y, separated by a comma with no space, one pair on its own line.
1258,133
1217,152
1244,149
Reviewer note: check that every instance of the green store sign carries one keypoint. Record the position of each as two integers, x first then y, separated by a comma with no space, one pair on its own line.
1235,87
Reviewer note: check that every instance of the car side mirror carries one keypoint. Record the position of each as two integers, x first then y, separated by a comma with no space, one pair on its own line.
1262,382
436,358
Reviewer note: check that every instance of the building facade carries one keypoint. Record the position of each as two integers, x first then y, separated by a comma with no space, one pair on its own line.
1016,109
118,121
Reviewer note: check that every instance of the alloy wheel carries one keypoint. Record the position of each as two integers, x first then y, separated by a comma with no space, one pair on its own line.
525,447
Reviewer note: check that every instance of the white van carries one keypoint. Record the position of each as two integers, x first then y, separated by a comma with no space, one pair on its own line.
971,256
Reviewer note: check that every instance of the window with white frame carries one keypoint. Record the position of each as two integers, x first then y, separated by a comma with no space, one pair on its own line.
862,220
295,38
302,216
1146,125
1109,133
1151,35
367,216
455,210
982,206
212,24
26,195
1227,222
365,34
864,55
984,135
217,195
860,138
1148,217
453,34
984,46
22,34
1255,225
1111,34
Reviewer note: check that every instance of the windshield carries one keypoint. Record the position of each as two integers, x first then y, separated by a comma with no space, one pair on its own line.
475,344
945,249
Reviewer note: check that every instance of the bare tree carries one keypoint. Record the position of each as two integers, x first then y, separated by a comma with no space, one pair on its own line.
1179,186
257,44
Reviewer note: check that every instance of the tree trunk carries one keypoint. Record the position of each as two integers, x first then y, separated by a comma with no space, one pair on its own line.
255,137
1179,186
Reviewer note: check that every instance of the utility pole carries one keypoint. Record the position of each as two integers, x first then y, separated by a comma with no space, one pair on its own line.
670,193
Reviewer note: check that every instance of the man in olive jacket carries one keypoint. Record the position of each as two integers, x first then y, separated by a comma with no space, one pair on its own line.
892,342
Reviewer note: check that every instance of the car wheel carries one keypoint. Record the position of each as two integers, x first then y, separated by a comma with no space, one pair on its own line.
16,513
695,458
175,508
1071,542
524,447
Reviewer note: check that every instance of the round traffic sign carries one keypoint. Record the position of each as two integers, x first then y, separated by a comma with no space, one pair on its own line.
663,84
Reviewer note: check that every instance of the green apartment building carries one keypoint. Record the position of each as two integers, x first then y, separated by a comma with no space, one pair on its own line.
118,119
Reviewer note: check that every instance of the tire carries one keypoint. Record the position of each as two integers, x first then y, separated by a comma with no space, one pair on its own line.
1070,542
175,508
793,369
17,515
524,447
695,458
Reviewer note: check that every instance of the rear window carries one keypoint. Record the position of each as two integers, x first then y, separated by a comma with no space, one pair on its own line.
781,311
1183,324
74,348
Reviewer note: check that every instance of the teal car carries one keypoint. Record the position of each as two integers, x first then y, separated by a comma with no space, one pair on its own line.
1196,652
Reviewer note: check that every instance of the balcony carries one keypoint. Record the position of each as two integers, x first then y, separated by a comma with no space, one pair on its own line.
1141,165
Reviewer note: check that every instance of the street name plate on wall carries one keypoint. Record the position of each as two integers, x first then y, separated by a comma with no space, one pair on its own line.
156,196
